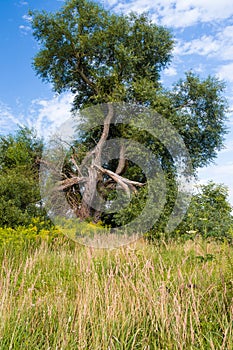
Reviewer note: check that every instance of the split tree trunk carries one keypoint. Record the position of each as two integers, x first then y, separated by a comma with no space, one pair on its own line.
89,207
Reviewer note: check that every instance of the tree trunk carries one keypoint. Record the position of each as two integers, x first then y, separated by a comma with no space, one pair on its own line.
90,206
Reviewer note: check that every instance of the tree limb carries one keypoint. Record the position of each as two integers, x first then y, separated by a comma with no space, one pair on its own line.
125,183
63,184
51,167
76,165
107,122
97,151
121,164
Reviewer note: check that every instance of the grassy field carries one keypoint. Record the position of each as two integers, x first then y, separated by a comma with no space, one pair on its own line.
65,296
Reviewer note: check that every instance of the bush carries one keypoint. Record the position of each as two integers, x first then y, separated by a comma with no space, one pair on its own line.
32,234
19,178
209,214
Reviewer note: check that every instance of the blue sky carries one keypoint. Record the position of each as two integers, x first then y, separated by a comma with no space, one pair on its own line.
203,30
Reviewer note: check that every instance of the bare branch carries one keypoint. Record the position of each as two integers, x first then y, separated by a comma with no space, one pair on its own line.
76,165
51,167
97,151
121,164
117,179
62,185
107,122
125,183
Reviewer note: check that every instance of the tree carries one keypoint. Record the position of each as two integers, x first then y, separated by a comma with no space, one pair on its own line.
209,214
104,58
19,188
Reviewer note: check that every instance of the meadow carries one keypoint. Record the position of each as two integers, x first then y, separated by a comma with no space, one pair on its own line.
60,295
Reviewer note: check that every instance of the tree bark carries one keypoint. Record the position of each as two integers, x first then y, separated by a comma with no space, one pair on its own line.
121,164
90,203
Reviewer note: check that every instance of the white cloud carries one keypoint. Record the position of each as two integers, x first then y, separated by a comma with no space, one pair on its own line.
200,68
219,45
27,18
24,29
44,115
204,46
170,71
228,147
178,13
225,72
8,121
23,3
226,39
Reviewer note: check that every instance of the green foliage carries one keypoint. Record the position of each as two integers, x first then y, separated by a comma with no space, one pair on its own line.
97,55
209,214
75,229
20,149
199,113
19,188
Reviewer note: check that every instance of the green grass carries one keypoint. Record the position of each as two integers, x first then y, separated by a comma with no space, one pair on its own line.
63,296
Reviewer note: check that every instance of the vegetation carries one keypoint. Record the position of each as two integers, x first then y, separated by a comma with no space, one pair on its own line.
104,58
209,214
176,293
19,185
30,235
171,296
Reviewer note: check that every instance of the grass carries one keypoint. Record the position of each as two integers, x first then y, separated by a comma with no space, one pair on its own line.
65,296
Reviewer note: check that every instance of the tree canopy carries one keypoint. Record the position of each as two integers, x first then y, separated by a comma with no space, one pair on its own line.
98,55
102,57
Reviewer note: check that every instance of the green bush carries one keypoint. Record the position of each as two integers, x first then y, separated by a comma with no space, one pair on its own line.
19,178
209,214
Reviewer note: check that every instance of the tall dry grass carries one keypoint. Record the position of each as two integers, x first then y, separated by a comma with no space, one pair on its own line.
62,296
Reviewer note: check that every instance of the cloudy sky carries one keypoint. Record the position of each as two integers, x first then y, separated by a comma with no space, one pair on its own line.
203,30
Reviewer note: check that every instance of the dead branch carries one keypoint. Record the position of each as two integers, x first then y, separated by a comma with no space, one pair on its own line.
76,165
51,167
121,164
62,185
125,183
97,151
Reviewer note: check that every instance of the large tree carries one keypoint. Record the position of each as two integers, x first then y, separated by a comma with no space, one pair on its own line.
104,57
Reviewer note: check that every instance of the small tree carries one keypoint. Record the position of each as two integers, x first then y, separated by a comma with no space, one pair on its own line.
19,188
210,213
